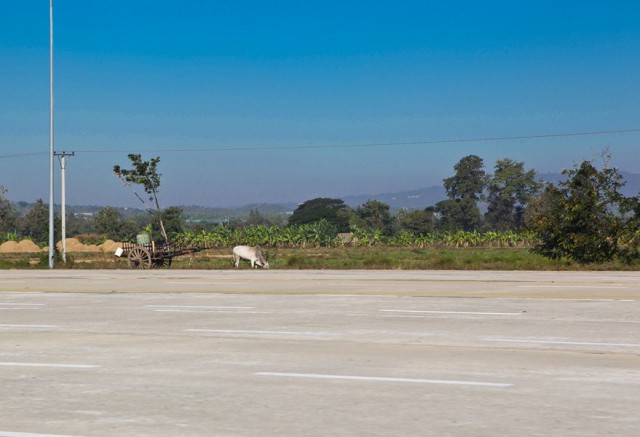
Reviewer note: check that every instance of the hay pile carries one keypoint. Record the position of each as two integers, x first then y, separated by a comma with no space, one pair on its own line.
8,247
25,246
109,246
73,245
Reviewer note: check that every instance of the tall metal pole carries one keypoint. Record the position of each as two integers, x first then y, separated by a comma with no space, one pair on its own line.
51,227
63,166
63,213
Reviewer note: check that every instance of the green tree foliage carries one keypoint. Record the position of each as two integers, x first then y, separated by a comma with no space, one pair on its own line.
77,225
419,222
585,218
314,210
109,221
35,224
8,215
464,189
374,214
145,174
510,190
255,218
173,220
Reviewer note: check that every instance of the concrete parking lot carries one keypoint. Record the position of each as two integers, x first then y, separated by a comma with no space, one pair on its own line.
199,353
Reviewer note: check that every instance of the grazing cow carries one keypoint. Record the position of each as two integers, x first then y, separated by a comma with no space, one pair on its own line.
253,254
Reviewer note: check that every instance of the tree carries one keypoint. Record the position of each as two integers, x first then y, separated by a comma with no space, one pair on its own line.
8,215
464,189
314,210
419,222
108,221
173,221
35,224
510,190
585,218
469,180
144,173
375,215
255,218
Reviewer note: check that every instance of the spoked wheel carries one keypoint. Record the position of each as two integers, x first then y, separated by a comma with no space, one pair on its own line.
161,262
139,258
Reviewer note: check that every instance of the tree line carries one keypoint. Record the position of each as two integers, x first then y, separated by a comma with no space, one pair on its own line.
584,218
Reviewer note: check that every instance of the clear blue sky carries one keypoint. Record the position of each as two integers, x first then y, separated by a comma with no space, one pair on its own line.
148,76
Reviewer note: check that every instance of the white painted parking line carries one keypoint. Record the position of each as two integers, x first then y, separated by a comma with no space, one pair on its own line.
385,379
222,307
242,331
19,309
212,311
475,313
30,326
561,342
206,283
64,366
20,306
575,286
566,299
28,434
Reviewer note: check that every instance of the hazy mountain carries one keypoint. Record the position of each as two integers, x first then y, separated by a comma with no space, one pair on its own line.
631,188
415,199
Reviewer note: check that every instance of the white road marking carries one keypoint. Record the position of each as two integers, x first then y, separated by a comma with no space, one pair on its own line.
200,307
206,283
563,342
560,299
241,331
475,313
213,311
385,379
65,366
574,286
28,434
29,326
20,306
19,309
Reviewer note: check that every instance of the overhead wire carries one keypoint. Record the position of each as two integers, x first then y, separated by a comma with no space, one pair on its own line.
339,146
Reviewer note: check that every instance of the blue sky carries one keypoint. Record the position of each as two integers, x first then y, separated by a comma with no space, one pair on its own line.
206,84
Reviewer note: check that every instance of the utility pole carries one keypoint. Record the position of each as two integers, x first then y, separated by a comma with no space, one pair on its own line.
63,164
51,228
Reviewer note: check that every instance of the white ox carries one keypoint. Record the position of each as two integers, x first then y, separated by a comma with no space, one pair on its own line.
253,254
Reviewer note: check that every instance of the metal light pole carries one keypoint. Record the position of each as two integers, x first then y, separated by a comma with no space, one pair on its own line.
51,227
63,165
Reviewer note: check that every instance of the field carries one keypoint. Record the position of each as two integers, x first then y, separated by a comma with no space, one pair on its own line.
341,258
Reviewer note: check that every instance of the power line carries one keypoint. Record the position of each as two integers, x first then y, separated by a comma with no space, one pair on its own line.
341,146
20,155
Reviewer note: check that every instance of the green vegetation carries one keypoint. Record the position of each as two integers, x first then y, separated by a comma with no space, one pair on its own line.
323,234
145,174
583,219
344,258
586,219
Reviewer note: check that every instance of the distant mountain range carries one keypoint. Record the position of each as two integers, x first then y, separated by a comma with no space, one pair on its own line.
414,199
631,188
422,198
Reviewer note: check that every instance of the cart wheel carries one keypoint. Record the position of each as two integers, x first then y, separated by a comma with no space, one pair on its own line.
139,258
161,262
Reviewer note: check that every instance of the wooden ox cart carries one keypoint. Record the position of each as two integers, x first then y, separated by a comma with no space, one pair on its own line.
147,256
